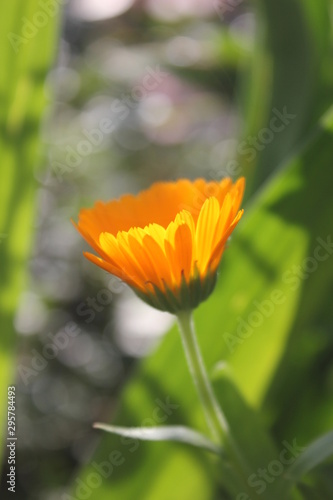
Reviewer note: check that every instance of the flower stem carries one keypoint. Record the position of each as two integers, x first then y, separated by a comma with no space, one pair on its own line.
240,470
215,419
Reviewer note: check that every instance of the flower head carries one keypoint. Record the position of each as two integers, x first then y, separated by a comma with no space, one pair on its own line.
165,243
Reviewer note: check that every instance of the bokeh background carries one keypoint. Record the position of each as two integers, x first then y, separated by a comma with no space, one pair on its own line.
100,98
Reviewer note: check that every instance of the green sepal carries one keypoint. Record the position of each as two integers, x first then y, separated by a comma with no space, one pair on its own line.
184,298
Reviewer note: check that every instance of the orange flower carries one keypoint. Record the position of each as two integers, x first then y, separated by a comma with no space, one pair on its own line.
166,242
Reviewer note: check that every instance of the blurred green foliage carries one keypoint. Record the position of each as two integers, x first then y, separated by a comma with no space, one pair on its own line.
266,330
25,63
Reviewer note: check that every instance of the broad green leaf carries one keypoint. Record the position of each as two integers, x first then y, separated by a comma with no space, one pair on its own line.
248,321
253,444
25,58
302,383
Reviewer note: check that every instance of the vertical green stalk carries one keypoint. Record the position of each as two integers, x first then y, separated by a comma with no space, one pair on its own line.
215,419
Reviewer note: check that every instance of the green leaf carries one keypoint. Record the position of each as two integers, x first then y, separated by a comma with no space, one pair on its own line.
316,453
176,433
302,381
254,443
289,72
25,62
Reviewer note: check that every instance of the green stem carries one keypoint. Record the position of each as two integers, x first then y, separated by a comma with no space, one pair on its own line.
215,418
239,468
216,421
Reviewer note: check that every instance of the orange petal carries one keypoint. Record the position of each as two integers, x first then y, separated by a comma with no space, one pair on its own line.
205,231
183,250
111,269
157,255
218,250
